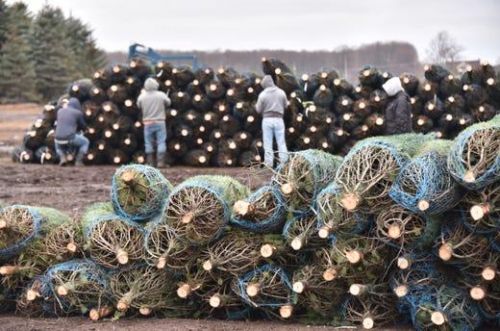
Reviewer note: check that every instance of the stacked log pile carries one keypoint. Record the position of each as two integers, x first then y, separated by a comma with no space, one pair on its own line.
403,229
213,121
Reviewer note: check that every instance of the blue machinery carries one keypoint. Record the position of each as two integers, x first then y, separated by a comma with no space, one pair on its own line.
147,53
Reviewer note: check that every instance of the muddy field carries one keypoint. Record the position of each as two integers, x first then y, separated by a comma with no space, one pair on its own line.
71,189
79,324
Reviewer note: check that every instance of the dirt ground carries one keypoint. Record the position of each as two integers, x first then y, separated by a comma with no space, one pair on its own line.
8,323
15,120
71,189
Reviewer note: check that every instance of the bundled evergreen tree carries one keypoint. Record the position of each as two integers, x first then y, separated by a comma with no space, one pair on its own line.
54,65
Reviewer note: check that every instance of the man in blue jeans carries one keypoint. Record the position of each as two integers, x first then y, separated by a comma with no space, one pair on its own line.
272,103
70,122
153,104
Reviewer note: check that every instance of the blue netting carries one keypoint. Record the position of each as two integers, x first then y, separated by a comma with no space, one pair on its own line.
304,227
154,191
321,169
125,234
222,190
241,314
417,277
495,241
339,221
425,179
464,216
488,200
490,305
273,222
263,275
465,246
459,310
35,218
88,227
91,287
368,171
416,232
464,155
162,242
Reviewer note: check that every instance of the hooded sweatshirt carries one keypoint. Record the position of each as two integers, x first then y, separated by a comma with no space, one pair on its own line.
393,86
69,120
398,111
272,100
153,103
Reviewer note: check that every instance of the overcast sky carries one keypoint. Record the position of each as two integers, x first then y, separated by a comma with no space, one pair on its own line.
288,24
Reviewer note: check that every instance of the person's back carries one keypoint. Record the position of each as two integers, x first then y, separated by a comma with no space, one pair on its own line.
272,103
398,111
153,105
70,121
272,100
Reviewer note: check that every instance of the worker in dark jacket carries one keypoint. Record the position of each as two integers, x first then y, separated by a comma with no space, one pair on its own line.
398,112
272,103
70,122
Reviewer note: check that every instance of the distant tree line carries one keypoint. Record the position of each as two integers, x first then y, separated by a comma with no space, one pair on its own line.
40,54
396,57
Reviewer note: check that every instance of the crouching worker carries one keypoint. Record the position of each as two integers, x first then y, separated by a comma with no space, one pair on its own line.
398,112
153,104
272,103
70,122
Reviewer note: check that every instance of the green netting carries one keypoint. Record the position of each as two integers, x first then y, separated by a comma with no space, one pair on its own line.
112,241
368,171
424,184
304,175
139,192
199,208
474,159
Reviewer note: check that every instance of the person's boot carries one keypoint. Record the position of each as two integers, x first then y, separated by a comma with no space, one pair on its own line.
63,161
150,160
161,160
79,160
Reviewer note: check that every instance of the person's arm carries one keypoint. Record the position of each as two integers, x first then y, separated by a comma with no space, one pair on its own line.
284,100
259,106
139,102
82,125
166,100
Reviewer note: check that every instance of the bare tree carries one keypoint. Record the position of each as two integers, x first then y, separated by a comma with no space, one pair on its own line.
443,48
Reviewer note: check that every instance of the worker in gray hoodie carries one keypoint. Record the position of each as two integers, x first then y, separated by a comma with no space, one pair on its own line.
272,103
154,104
70,122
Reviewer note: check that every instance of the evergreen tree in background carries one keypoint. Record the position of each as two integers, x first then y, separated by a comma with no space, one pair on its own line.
54,66
3,23
87,56
41,56
17,74
19,17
